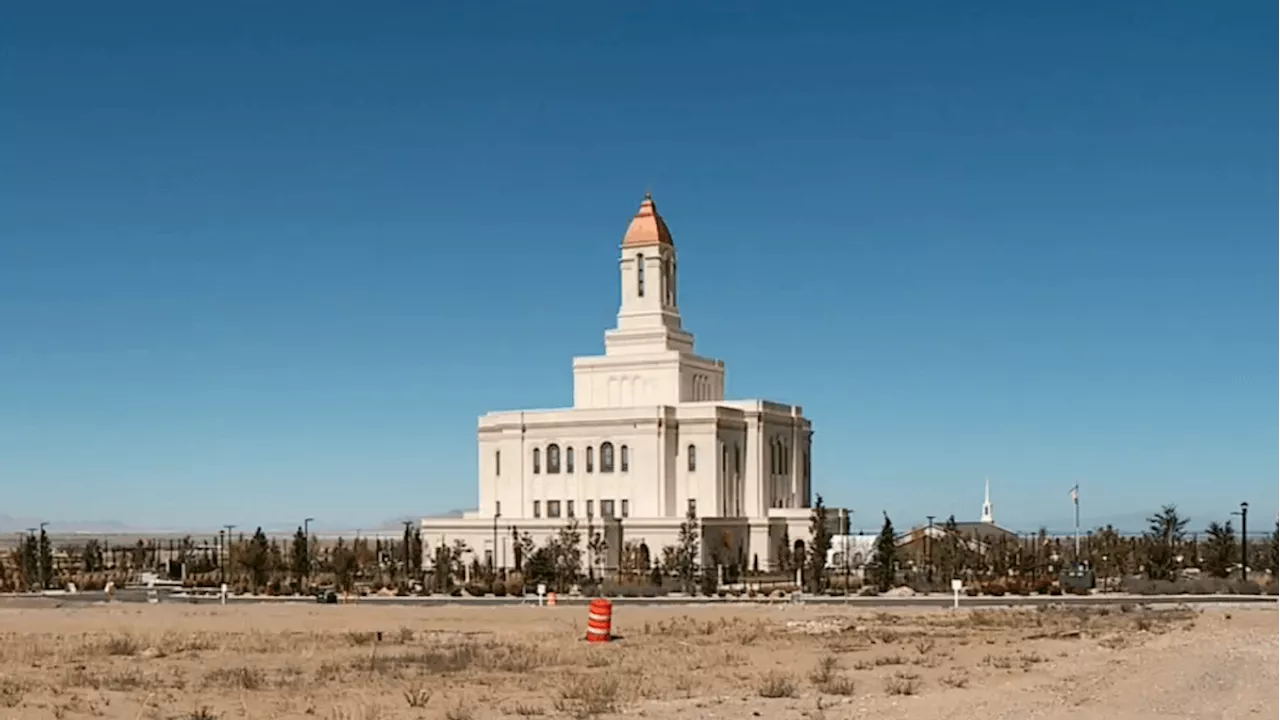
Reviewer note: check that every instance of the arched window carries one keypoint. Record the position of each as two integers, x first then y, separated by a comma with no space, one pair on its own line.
606,457
553,459
773,457
537,461
692,452
640,274
568,459
497,462
806,465
624,459
737,459
591,459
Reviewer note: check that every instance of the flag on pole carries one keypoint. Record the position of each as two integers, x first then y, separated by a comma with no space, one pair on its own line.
1075,494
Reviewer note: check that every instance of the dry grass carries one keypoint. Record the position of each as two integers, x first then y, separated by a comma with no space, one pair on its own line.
369,662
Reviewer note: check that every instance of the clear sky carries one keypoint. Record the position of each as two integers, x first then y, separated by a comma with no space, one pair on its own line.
267,260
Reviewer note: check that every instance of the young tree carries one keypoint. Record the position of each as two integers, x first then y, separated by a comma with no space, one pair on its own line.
785,558
1165,533
344,562
598,546
886,556
517,549
415,554
91,555
820,543
567,552
301,560
1219,549
30,562
684,558
1273,557
255,559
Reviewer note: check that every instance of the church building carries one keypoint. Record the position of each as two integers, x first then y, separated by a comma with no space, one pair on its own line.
649,437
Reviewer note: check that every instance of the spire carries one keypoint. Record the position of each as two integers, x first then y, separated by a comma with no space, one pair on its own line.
647,227
987,515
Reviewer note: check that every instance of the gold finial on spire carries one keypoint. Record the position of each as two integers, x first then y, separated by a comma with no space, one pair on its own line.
648,191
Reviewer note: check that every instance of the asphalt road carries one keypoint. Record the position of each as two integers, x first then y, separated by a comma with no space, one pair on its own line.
139,595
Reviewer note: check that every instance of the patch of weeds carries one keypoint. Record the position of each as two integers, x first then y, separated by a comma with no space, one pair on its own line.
404,635
11,692
925,645
837,685
901,683
460,712
201,713
1001,662
825,671
890,660
586,696
528,710
777,685
417,696
956,679
120,645
359,638
243,677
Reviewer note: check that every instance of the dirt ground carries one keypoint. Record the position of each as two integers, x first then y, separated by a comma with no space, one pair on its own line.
314,661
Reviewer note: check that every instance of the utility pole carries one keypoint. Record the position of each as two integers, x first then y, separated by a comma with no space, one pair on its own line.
1075,500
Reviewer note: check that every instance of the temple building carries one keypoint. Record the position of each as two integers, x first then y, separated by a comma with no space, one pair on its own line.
649,437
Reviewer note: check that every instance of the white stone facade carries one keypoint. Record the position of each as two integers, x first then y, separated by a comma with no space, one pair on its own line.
649,436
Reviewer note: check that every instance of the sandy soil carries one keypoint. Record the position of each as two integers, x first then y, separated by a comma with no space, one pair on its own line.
312,661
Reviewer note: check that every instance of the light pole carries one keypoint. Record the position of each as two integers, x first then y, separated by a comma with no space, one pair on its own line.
1244,540
493,558
928,548
306,548
226,549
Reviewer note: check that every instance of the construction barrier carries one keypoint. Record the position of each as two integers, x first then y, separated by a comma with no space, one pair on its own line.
600,621
551,599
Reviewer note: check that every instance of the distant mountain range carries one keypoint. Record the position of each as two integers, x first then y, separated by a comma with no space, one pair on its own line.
17,524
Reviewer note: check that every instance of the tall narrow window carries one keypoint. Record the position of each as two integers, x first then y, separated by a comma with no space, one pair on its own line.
591,459
606,457
497,462
626,508
692,452
737,459
640,274
591,508
606,508
568,459
624,459
553,508
537,508
537,461
693,506
568,508
553,459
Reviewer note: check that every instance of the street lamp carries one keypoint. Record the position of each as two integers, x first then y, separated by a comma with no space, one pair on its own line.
493,557
928,549
1244,540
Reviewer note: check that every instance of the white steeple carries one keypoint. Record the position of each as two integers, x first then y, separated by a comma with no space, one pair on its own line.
648,318
648,357
987,515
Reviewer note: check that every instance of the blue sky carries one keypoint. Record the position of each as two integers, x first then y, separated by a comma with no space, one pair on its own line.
267,260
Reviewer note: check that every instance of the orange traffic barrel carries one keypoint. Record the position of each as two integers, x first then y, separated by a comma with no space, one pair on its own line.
600,621
551,599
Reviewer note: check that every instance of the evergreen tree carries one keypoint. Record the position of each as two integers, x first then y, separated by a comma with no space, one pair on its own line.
45,558
785,563
517,549
301,558
886,556
30,563
1273,562
255,560
91,556
820,543
1219,549
1165,533
415,553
